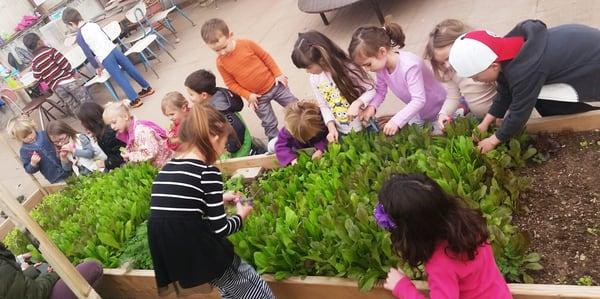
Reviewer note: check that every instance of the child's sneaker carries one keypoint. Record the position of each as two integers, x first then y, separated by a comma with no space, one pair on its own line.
146,92
136,103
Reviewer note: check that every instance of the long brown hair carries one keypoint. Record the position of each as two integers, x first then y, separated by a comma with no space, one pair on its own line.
443,35
90,116
202,123
367,40
58,127
313,47
425,216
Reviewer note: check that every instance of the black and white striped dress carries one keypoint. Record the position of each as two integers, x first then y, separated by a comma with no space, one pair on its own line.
188,226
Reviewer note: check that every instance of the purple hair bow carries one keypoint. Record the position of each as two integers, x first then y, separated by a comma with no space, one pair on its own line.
383,219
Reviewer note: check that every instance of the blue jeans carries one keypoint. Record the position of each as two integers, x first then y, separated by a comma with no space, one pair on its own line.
114,62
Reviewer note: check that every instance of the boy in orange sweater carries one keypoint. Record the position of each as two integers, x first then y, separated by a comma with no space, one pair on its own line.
249,71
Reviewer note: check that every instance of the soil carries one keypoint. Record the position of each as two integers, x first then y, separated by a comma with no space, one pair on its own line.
561,209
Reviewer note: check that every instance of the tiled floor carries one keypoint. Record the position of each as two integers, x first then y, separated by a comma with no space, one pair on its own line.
274,24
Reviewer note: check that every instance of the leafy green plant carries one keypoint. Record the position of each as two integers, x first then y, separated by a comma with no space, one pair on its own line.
585,281
136,251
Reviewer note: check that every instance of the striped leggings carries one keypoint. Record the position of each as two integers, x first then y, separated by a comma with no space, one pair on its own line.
241,281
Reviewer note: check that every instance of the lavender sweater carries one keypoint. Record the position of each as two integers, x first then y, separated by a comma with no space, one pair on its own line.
414,84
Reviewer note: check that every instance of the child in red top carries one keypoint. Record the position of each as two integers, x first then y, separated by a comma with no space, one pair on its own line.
249,71
429,227
176,108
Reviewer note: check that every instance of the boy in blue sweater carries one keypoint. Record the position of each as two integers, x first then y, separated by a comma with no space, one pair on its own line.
37,152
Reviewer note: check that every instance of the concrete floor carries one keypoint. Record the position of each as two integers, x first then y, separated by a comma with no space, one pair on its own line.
274,24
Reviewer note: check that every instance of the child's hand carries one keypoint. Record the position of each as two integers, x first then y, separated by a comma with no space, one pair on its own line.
333,136
367,113
317,154
231,197
253,101
99,71
355,109
283,79
35,158
67,148
390,128
125,155
393,277
443,120
294,162
488,144
243,210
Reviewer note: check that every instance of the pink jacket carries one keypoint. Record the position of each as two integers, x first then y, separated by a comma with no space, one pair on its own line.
453,278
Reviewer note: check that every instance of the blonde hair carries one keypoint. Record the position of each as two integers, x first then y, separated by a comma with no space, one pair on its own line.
21,126
213,29
202,123
443,35
303,120
173,99
114,109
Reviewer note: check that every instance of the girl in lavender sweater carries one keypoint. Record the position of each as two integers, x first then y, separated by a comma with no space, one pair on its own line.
431,228
377,50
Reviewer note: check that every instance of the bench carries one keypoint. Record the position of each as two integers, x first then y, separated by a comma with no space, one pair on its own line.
323,6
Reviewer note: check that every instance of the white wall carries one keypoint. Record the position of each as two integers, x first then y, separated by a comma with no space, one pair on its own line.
11,12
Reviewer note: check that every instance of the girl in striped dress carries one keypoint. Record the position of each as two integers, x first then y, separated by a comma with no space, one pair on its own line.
188,226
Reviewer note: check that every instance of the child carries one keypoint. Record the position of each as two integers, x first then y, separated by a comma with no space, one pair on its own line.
403,72
303,128
175,107
144,140
478,95
341,87
94,41
202,88
250,72
431,228
76,151
37,152
533,68
50,66
90,116
188,226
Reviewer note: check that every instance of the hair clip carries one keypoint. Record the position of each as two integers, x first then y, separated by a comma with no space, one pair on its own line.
382,218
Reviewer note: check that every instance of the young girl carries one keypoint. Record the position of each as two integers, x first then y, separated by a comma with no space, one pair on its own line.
144,140
175,107
478,95
432,228
341,87
90,116
37,152
403,72
76,151
188,226
303,128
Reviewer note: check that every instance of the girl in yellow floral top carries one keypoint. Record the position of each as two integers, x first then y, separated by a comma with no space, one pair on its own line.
341,88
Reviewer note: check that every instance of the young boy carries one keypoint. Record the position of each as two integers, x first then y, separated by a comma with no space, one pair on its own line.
554,70
94,41
202,88
50,66
37,152
250,72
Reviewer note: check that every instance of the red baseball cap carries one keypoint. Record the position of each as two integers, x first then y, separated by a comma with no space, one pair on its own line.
475,51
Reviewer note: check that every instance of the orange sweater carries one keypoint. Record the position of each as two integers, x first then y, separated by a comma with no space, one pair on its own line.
248,69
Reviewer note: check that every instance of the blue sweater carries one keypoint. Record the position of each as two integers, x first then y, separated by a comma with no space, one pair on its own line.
49,164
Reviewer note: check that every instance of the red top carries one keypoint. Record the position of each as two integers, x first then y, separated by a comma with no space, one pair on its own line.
248,69
454,278
172,134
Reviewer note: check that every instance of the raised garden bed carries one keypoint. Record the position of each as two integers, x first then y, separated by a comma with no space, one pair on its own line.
141,284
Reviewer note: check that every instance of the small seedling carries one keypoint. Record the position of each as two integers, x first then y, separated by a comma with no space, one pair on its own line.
585,281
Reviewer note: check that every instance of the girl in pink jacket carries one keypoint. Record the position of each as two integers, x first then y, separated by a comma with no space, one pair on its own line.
429,227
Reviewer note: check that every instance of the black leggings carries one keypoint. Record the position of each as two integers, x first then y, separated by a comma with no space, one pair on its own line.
548,107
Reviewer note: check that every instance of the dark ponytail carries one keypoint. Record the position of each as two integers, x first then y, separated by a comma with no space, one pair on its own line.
367,40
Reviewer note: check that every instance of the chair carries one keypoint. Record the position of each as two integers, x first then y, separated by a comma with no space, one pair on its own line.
76,59
138,14
163,14
104,79
36,103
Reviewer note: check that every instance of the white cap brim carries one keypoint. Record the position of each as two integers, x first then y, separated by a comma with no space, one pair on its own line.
470,57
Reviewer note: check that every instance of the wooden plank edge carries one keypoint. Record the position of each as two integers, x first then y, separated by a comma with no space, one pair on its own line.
524,291
266,161
586,121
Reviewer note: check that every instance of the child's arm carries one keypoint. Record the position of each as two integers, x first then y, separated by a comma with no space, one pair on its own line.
266,58
416,88
380,92
283,150
221,224
86,150
91,58
232,84
323,106
146,145
452,98
30,160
